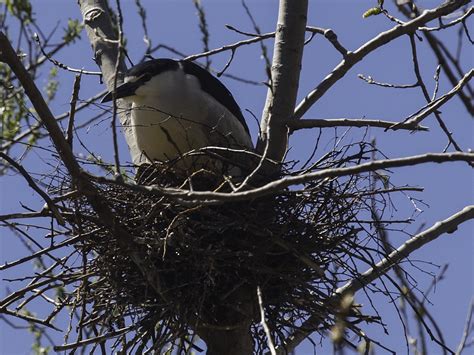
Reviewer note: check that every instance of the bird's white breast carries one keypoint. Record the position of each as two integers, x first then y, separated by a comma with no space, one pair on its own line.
171,116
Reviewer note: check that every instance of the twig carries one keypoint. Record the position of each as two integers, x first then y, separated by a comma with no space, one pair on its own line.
263,47
120,49
436,79
35,187
64,66
142,14
370,80
383,38
443,56
435,104
263,322
70,241
232,46
281,184
416,69
203,28
29,318
467,329
452,23
349,122
72,112
94,340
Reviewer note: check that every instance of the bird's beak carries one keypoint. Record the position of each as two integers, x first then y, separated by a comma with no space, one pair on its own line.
123,90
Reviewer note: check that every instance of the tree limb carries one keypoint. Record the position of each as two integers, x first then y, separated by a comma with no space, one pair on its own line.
448,225
383,38
286,67
350,122
104,43
79,178
208,197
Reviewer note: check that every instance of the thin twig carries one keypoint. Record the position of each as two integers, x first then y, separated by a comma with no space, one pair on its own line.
452,23
64,66
72,112
94,340
263,322
381,39
35,187
370,80
468,327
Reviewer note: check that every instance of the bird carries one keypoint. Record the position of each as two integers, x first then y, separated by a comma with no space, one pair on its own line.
178,107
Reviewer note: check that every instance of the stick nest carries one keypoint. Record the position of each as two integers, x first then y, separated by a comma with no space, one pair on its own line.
203,263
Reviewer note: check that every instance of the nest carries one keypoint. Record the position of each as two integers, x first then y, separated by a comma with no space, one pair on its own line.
207,260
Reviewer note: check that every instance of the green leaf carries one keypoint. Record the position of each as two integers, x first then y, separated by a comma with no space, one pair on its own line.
73,31
372,12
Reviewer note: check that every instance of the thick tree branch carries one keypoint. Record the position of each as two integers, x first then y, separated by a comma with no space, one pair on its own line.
79,178
350,122
448,225
383,38
208,197
286,67
105,45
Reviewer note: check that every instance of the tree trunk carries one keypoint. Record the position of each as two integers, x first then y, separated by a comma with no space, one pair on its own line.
228,342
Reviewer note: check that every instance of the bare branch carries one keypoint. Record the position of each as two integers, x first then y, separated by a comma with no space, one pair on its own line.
444,58
99,29
263,322
72,112
448,225
350,122
61,65
468,328
452,23
96,339
437,103
80,179
279,185
383,38
35,187
286,67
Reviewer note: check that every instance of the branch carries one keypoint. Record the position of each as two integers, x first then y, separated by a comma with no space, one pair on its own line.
350,122
104,42
352,58
286,66
79,178
208,197
435,104
35,187
452,23
448,225
443,56
95,340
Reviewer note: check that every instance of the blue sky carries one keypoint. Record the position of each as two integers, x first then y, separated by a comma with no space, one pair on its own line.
448,188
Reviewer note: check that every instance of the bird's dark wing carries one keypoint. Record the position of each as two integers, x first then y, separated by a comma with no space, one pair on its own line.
146,70
216,89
